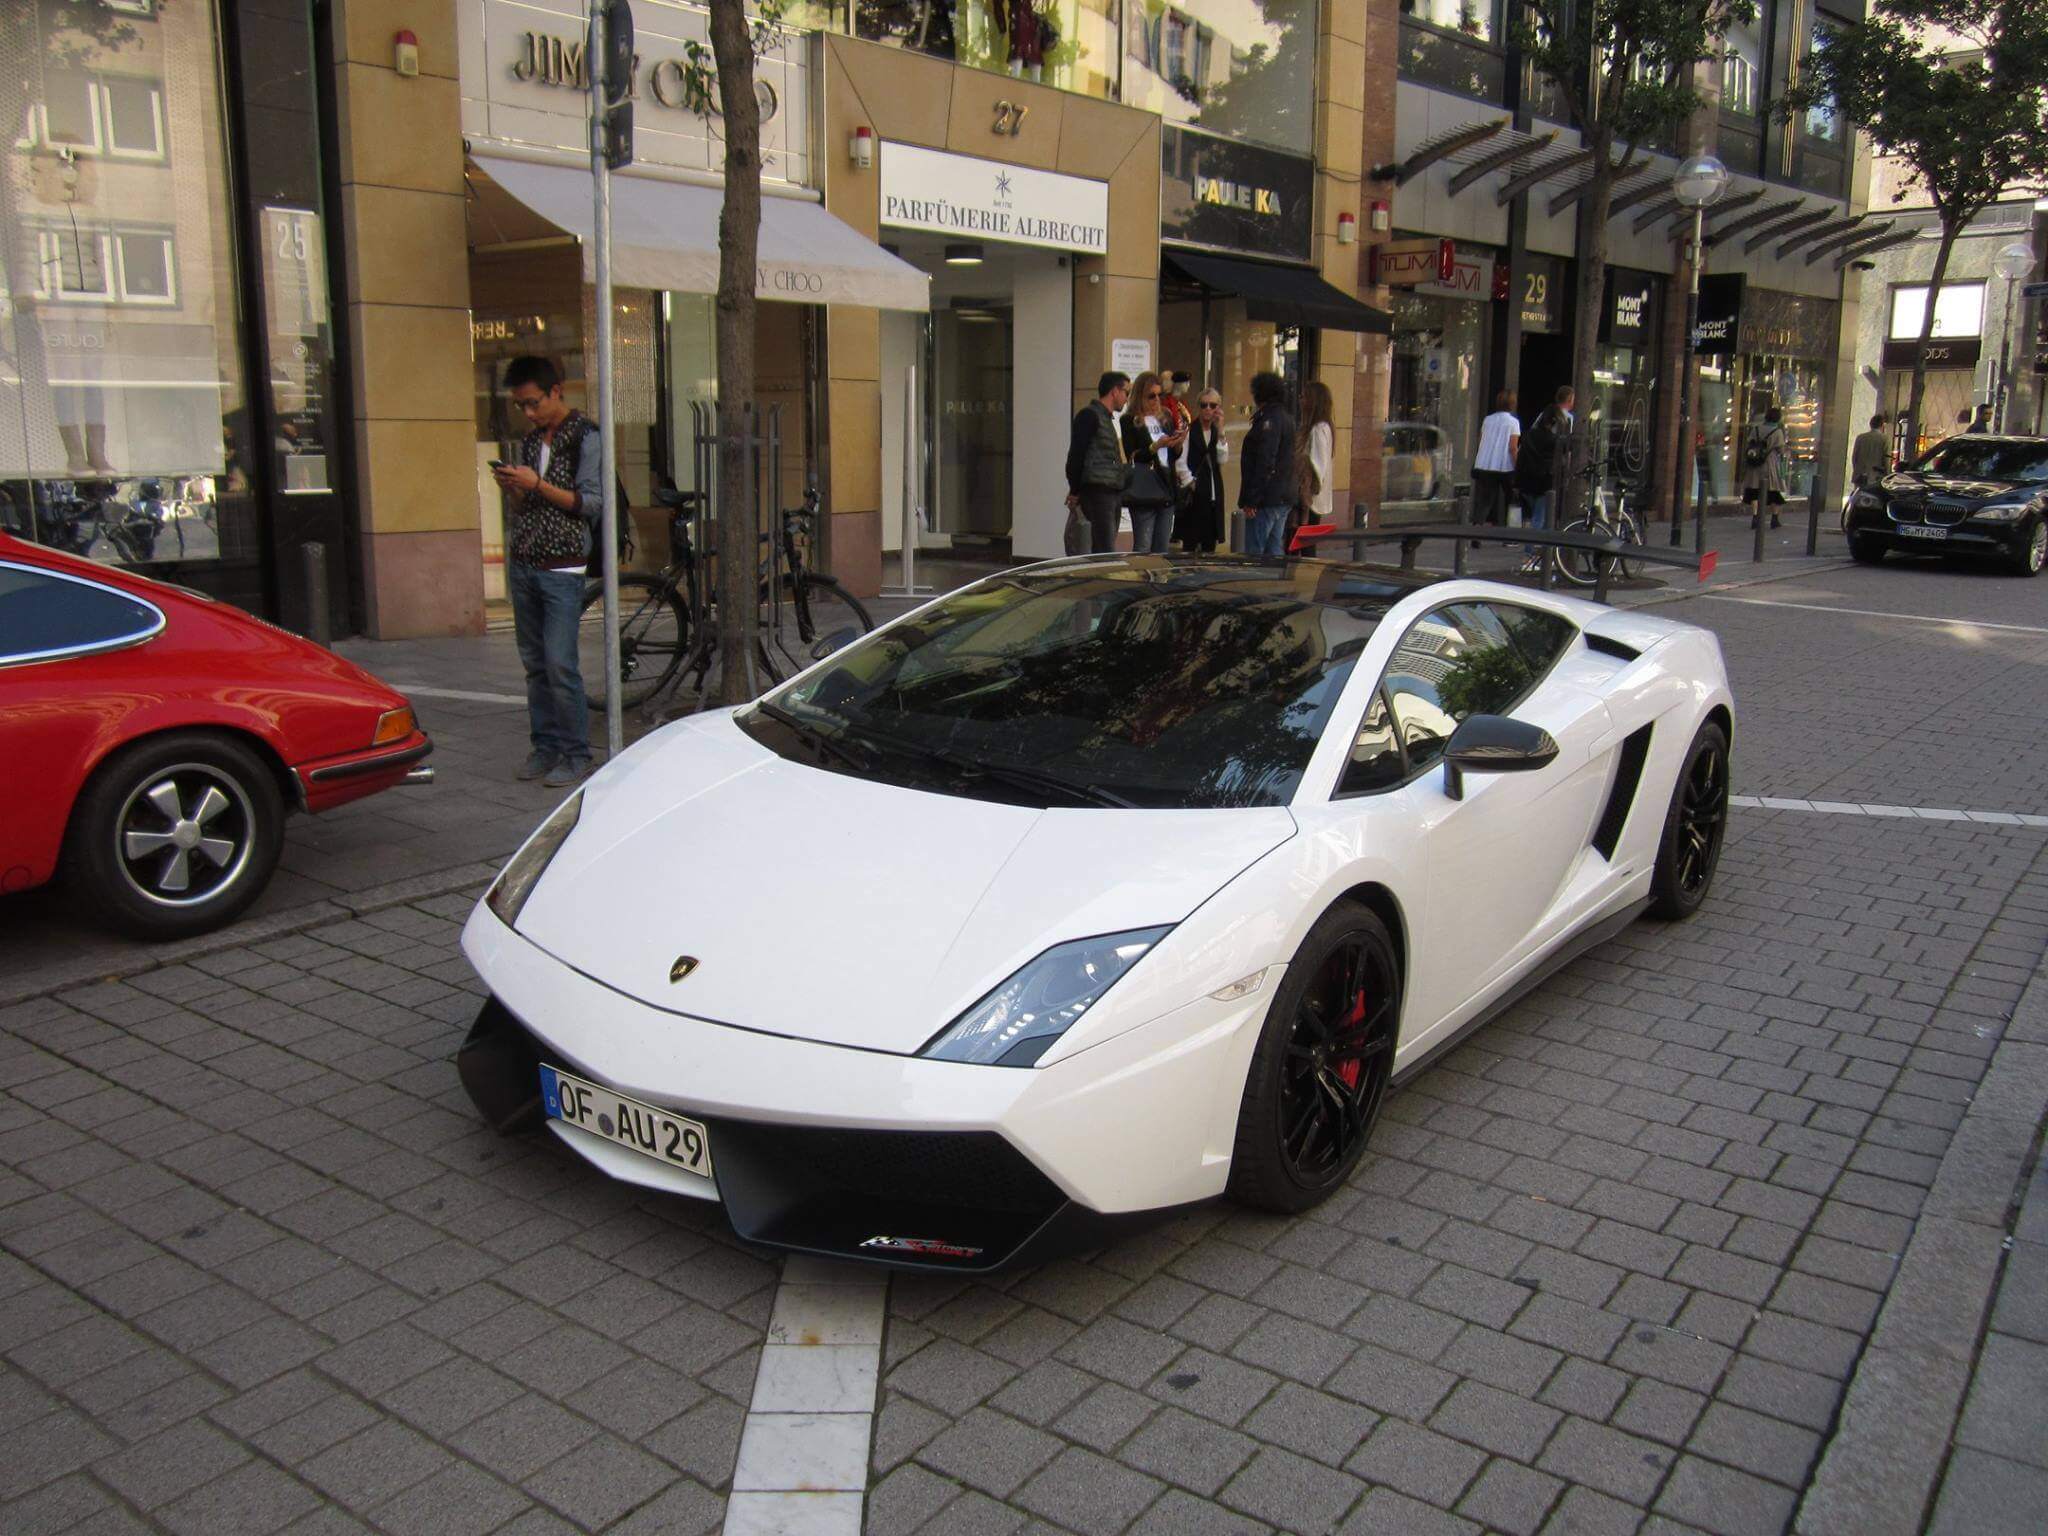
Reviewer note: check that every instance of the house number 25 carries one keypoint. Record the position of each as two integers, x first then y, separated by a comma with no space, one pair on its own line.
1010,118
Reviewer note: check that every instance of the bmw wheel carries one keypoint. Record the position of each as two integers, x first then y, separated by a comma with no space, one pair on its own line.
2028,559
1865,550
1320,1072
1690,848
176,834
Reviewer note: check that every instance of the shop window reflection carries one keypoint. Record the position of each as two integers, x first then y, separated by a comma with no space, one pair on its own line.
1068,44
125,431
1454,44
1244,70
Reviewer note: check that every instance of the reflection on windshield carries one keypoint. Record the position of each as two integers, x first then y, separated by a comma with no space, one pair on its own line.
1154,681
1961,458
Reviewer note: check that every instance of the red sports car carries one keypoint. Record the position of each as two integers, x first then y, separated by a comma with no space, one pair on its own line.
154,741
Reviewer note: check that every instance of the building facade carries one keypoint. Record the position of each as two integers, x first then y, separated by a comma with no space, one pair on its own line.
1479,265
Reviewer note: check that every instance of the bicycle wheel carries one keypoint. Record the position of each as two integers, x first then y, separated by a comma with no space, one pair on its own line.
824,608
1578,566
1629,531
654,636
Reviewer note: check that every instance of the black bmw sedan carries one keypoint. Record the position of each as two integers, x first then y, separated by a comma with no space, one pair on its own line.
1971,495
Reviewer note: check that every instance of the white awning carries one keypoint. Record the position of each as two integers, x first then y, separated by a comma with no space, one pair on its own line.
665,235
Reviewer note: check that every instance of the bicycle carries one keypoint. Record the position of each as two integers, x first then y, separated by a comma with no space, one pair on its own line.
667,619
1602,520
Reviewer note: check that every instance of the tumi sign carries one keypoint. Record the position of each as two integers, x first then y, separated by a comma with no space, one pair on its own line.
1407,263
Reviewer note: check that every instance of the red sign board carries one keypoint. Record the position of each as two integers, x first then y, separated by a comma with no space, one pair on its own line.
1404,263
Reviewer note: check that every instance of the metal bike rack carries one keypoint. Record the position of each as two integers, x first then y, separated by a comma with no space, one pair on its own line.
1606,551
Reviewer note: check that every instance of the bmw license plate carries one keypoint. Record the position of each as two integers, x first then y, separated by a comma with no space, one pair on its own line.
639,1127
1915,531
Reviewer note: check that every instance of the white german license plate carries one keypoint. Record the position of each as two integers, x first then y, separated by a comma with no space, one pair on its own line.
655,1133
1915,531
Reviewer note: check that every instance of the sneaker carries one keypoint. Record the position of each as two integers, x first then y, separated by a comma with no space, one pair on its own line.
568,771
536,765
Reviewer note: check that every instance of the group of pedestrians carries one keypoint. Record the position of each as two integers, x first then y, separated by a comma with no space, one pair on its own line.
1138,448
1529,466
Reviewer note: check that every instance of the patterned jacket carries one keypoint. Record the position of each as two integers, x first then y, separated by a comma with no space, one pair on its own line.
539,533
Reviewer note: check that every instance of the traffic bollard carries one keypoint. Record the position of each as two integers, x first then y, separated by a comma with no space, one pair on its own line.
313,559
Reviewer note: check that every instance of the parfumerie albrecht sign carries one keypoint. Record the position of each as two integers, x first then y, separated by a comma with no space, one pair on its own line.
973,199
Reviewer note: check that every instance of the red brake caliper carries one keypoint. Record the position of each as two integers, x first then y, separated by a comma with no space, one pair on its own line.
1349,1070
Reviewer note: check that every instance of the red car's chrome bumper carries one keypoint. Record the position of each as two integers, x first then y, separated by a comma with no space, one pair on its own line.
331,781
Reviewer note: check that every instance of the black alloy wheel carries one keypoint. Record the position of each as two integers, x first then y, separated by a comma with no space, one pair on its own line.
1866,550
1693,828
1322,1067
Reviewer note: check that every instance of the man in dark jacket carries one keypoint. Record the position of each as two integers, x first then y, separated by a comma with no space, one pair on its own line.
1268,491
1095,464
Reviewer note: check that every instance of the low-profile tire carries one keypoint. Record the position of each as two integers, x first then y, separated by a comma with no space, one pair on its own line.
1322,1065
1689,848
175,835
2028,559
1865,550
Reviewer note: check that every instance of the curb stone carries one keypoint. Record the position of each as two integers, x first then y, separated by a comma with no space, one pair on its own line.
1883,1464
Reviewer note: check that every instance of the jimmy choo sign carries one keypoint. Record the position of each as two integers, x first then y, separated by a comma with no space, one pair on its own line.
525,72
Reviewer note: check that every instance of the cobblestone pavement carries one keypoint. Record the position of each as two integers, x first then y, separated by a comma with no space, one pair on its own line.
1610,1268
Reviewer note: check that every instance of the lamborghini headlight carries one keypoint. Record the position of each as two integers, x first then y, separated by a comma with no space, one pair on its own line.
1018,1022
517,879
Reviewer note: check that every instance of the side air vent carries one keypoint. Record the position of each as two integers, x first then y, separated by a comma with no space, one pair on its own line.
1608,646
1628,776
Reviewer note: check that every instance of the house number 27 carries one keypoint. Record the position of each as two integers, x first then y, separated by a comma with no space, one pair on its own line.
1010,118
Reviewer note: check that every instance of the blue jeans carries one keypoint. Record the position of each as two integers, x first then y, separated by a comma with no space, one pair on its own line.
1535,512
1265,531
547,607
1151,530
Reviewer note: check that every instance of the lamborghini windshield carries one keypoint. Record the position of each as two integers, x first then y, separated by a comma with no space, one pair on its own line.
1151,681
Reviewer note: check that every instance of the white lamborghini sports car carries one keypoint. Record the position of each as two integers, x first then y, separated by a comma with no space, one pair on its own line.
1091,890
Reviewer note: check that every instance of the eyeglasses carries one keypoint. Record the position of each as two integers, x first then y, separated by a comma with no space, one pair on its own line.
528,407
1151,394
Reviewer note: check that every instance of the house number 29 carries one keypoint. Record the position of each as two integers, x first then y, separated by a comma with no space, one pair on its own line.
1010,118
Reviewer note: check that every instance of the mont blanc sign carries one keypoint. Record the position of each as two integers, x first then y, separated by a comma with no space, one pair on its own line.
974,199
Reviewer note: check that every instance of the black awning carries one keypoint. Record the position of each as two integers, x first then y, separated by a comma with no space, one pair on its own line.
1283,295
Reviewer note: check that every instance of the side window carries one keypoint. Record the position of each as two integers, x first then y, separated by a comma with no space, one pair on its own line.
1456,662
43,615
1375,761
1541,637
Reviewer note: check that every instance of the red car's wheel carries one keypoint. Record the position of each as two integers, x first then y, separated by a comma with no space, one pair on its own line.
176,834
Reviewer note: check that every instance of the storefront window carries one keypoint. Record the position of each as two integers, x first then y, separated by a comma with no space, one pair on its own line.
1434,403
125,429
1069,44
1454,44
1785,359
1244,69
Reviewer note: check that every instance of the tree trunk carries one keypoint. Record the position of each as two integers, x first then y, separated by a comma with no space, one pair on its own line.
1949,228
739,235
1592,294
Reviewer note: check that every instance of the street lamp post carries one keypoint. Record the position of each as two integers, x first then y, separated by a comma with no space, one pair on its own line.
2012,263
1698,182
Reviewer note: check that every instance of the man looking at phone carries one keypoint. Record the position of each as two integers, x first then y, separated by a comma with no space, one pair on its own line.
554,497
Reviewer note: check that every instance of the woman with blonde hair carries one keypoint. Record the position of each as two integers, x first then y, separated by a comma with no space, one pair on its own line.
1317,451
1152,442
1208,450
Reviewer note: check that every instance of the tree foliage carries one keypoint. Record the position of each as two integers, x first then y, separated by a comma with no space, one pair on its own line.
1958,92
1624,73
